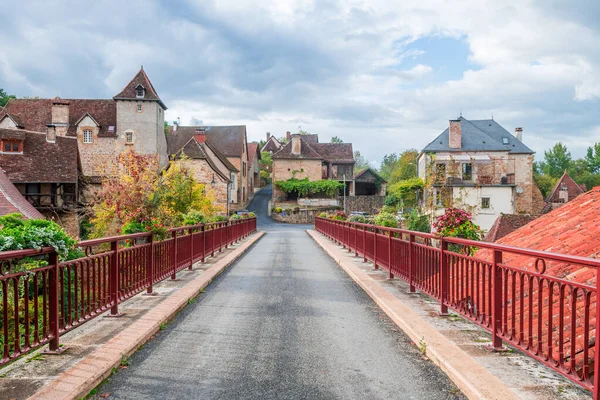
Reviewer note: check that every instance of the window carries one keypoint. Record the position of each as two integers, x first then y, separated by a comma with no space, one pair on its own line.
504,140
244,168
440,172
485,203
87,136
140,108
12,146
139,92
467,171
129,137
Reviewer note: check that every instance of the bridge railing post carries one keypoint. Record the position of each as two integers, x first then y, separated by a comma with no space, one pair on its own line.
411,263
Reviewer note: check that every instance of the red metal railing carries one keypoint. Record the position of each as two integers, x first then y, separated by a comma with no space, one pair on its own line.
39,305
504,289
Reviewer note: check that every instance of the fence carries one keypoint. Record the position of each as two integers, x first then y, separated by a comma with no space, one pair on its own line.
504,289
39,305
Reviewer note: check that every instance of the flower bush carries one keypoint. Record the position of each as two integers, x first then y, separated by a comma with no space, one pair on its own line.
322,215
252,214
417,222
357,218
153,225
457,223
339,216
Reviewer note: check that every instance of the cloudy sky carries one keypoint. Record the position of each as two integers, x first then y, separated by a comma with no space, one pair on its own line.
386,75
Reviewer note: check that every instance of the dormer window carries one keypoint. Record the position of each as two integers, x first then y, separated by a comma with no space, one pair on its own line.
87,136
140,92
12,146
504,140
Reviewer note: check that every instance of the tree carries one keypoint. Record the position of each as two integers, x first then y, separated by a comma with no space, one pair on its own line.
360,163
167,128
4,97
556,161
336,139
388,164
592,159
545,183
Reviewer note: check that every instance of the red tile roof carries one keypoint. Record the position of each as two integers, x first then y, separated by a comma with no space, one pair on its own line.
36,114
310,148
253,152
41,161
273,145
11,200
306,151
573,229
229,140
140,79
507,223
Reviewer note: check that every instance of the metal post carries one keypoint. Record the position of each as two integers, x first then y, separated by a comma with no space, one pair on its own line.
355,240
150,267
364,244
203,243
390,254
411,263
191,232
113,282
344,193
596,389
174,260
497,304
375,247
53,305
444,281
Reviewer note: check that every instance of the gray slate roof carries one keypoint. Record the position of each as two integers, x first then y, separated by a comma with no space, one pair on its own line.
480,135
229,140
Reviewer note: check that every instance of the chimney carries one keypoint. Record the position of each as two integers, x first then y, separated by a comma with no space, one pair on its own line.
296,144
519,134
200,137
175,125
60,111
288,135
51,133
455,134
268,136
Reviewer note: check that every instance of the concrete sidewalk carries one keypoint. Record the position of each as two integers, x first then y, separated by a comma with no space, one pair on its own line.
99,346
453,343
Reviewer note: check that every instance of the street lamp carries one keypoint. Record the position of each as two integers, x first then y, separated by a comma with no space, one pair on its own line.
344,175
212,183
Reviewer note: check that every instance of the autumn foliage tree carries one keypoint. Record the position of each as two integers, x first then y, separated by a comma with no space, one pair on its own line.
137,195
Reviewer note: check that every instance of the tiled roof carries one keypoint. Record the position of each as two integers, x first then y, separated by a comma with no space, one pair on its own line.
335,152
363,175
306,151
14,118
572,229
229,140
479,135
194,149
12,201
273,145
36,114
129,91
42,161
311,138
573,189
253,152
507,223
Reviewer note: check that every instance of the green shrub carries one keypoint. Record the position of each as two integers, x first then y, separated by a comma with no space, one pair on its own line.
418,223
278,210
322,215
146,225
252,214
193,218
357,218
18,233
235,217
386,219
339,216
219,218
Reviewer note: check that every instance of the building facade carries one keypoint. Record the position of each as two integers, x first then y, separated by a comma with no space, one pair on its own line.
479,166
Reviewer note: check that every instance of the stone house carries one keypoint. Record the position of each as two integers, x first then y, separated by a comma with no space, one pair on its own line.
210,167
253,167
369,183
565,190
304,157
230,142
479,166
272,145
103,128
44,170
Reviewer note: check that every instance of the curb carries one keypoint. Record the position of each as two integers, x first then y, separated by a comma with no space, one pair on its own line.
467,374
80,379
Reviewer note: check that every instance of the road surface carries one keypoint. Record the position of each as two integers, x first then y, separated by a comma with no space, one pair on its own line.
284,322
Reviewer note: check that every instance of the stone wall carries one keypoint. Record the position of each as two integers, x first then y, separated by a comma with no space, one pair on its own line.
523,164
299,169
203,173
369,204
297,217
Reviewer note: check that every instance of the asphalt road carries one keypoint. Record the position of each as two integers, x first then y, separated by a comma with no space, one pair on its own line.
284,322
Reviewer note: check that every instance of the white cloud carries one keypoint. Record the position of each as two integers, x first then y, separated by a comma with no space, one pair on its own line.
336,67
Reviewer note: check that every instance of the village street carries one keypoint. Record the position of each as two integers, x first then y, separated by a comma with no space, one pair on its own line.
283,322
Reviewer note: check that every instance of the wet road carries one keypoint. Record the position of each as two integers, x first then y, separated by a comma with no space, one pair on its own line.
284,322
